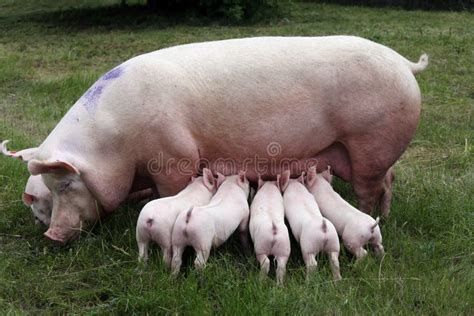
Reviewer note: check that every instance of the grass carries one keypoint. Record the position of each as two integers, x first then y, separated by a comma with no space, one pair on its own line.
52,51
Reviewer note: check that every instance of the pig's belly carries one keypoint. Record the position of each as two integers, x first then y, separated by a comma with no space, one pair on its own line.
274,159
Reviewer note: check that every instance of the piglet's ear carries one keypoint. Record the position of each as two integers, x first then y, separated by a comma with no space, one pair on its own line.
28,199
39,167
301,178
242,179
327,174
284,180
311,178
278,182
208,178
220,179
260,182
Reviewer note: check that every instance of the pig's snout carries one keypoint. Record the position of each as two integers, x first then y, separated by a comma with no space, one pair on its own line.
60,236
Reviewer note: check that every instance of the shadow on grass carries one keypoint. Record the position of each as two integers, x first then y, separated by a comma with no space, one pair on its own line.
124,17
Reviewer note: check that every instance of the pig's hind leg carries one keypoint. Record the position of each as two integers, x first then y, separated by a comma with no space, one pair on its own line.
202,255
202,243
376,243
309,250
264,264
167,255
310,262
371,160
334,263
281,268
142,242
354,247
143,251
177,259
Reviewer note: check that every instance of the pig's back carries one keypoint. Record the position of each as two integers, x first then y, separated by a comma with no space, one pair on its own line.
251,85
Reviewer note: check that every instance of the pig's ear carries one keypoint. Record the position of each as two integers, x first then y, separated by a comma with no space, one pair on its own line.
23,155
208,179
38,167
242,179
28,199
327,174
220,179
278,182
260,182
311,178
301,178
285,179
193,178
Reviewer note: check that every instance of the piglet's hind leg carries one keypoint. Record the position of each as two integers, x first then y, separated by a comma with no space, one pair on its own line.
264,265
311,263
334,263
177,259
202,255
142,251
281,269
167,256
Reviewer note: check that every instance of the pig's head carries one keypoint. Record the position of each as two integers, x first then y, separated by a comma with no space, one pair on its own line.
38,197
74,206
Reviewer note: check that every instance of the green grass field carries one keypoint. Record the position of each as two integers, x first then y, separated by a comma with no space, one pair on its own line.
52,51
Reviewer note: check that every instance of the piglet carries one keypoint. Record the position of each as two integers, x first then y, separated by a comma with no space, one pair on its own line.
210,226
313,232
156,220
267,228
355,227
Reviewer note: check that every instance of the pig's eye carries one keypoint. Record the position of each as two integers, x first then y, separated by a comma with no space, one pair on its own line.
65,185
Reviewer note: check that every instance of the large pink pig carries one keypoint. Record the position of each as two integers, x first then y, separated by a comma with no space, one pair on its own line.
342,100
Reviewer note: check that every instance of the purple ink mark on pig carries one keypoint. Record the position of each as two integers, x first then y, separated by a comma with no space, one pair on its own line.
113,74
91,97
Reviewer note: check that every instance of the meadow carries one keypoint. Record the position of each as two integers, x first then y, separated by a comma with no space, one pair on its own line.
52,51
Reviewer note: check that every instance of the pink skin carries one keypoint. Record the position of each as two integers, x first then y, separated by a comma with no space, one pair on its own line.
38,197
313,232
268,230
157,217
205,227
363,106
355,228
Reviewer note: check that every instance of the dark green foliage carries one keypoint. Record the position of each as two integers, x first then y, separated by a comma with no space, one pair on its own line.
233,10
